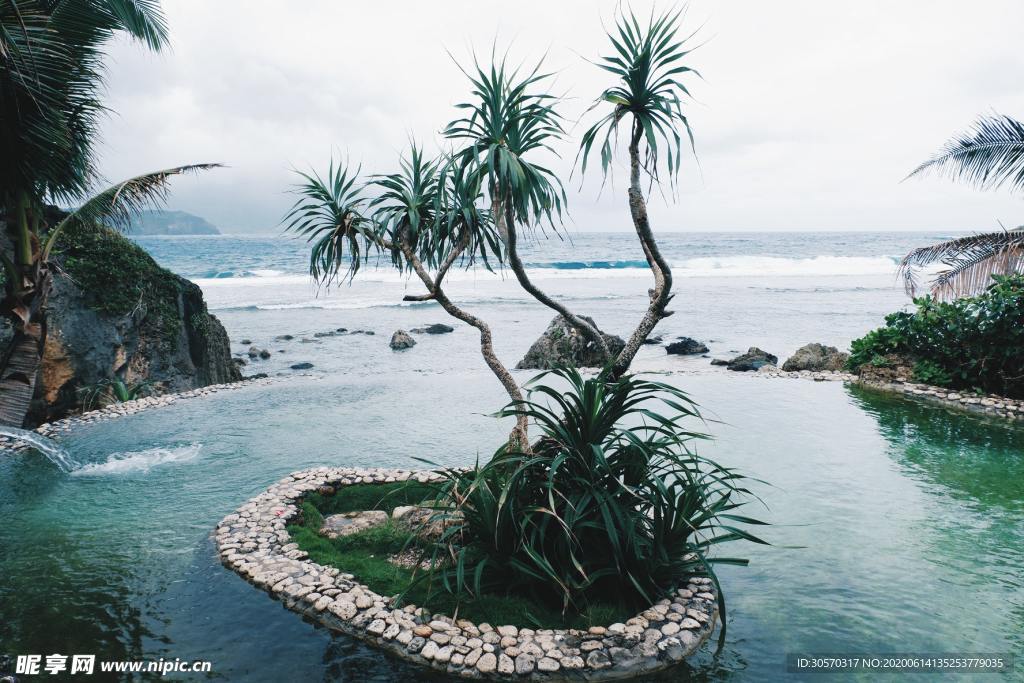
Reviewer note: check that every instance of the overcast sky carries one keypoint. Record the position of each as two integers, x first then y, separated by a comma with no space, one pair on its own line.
809,116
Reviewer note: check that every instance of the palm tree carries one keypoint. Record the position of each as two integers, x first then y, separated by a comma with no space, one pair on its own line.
648,97
507,121
51,61
989,156
425,216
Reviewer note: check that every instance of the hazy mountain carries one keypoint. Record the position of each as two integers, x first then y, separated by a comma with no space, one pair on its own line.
171,223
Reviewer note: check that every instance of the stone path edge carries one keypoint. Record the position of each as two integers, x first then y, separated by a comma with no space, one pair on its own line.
254,542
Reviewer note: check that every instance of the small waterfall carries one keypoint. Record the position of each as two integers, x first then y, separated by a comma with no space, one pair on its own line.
56,454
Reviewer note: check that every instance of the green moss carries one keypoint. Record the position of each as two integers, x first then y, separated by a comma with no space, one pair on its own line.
384,497
365,555
117,278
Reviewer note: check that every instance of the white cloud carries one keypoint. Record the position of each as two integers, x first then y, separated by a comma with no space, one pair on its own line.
811,113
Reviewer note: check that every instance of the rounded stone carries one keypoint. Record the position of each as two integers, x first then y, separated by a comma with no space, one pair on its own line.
487,663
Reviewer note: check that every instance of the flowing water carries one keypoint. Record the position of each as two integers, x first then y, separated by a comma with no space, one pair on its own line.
54,452
897,526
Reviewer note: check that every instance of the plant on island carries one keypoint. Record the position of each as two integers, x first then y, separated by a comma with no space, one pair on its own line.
609,503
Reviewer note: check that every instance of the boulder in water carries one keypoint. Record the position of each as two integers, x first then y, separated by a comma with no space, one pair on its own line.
816,357
753,359
402,340
264,354
685,346
654,340
301,366
253,352
563,344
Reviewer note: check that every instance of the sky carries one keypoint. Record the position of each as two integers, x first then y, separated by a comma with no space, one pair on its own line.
808,117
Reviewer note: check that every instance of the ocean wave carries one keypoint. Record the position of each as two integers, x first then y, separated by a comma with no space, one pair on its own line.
229,274
139,461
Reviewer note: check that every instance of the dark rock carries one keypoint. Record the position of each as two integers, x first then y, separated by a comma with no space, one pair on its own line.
401,340
240,361
753,359
439,328
892,367
163,335
685,346
719,361
264,354
654,340
245,342
258,375
283,337
342,329
563,344
253,352
816,357
325,334
301,366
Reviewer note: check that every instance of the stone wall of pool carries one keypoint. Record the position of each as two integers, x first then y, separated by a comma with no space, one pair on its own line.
254,542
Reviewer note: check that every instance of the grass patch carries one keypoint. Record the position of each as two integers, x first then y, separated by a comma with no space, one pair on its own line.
365,555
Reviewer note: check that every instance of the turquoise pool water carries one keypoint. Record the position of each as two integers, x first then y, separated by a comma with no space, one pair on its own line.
898,527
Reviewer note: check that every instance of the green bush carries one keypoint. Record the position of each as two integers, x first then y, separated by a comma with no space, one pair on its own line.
975,342
612,505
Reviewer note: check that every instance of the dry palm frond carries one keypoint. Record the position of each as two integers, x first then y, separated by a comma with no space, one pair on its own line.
971,261
988,156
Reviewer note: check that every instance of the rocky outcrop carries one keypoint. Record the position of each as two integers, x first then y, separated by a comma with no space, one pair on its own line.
685,346
115,314
401,340
753,359
816,357
563,344
436,328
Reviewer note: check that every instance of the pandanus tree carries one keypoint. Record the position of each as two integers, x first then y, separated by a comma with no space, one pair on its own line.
989,156
51,62
426,217
507,121
647,60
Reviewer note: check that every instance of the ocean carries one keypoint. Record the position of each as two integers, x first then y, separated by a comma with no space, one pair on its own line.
776,291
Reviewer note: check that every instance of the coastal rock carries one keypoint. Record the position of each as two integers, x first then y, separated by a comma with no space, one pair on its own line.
264,354
282,337
301,366
402,340
436,328
753,359
124,317
685,346
563,344
816,357
253,352
654,340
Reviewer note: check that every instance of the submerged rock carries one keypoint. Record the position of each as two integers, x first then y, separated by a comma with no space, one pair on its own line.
264,354
753,359
436,328
685,346
253,352
563,344
654,340
301,366
401,340
284,337
245,342
816,357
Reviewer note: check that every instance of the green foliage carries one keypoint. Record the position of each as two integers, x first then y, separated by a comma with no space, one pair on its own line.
612,505
112,391
365,555
648,63
967,343
930,372
118,278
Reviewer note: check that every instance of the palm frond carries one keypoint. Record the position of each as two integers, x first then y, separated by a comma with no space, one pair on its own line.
971,262
988,156
508,119
647,60
330,213
118,205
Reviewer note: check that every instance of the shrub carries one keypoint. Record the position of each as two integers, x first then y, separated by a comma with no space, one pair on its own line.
975,342
612,504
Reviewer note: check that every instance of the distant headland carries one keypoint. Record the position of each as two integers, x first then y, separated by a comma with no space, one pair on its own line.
171,223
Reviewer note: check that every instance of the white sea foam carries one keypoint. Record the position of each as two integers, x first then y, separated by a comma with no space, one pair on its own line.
140,461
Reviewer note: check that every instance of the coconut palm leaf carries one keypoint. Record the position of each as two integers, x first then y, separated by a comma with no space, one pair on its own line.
117,205
648,61
971,262
988,156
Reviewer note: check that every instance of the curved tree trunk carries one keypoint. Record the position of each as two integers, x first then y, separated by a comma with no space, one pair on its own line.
519,438
506,229
661,294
